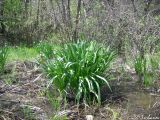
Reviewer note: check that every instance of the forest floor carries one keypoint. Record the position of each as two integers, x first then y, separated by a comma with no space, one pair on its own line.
22,97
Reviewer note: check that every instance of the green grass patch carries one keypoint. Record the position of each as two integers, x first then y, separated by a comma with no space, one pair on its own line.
21,53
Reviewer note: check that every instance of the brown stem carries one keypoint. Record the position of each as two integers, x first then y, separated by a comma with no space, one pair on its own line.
75,34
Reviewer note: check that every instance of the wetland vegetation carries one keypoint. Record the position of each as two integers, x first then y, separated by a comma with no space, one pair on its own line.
79,60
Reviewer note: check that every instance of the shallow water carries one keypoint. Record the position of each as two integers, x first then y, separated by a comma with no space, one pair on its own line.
140,99
139,102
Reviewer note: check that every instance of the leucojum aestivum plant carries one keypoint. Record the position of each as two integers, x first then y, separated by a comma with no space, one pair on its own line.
79,67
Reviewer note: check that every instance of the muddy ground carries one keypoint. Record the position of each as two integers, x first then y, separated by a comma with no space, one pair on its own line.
23,97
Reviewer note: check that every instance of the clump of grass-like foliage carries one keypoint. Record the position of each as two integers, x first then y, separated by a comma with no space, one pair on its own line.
146,69
78,67
3,57
45,49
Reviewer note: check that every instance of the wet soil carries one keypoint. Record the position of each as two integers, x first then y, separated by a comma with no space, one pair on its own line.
21,86
22,97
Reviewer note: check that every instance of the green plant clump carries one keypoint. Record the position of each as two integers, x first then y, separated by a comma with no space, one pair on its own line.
140,66
45,49
79,67
146,69
3,58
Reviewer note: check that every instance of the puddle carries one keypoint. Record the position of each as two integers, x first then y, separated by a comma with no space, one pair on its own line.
138,103
143,104
139,99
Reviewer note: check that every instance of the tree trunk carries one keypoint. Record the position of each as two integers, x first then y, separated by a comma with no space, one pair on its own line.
75,34
26,8
38,13
69,14
63,12
2,29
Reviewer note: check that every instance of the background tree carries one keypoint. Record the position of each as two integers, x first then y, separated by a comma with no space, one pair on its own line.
2,27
